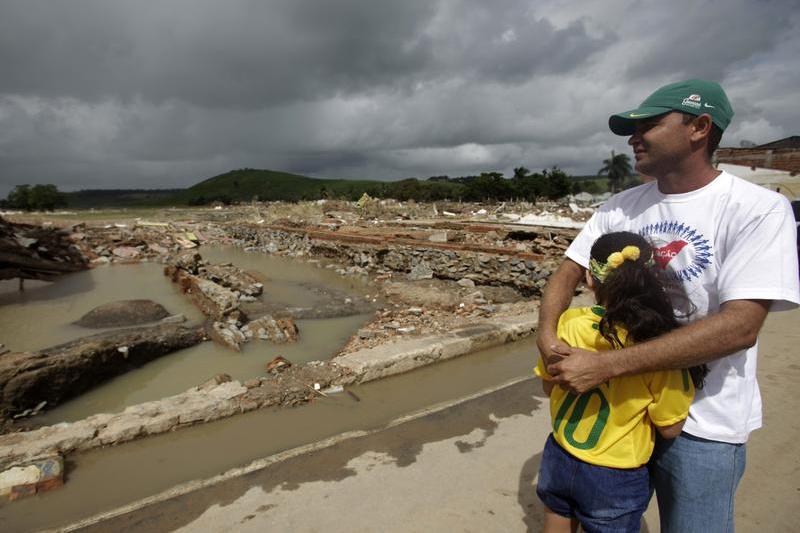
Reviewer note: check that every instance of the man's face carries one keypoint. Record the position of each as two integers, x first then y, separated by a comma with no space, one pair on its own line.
660,143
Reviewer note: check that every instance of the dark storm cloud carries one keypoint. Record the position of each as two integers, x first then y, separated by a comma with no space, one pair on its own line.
234,53
255,54
705,39
117,93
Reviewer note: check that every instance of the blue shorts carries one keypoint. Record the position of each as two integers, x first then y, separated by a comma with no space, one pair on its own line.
602,499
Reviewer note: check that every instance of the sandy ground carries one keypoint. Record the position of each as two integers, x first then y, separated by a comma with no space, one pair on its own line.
471,467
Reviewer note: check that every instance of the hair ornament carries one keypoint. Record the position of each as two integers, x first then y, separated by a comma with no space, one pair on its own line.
601,270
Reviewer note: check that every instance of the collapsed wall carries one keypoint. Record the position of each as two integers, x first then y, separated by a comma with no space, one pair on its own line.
525,272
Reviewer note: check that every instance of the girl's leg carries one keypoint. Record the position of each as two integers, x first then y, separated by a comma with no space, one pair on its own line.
555,523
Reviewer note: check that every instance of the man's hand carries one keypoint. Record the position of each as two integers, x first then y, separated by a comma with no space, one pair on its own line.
578,370
550,348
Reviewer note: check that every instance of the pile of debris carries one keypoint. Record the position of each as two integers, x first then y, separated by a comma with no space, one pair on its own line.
435,306
129,243
218,290
35,252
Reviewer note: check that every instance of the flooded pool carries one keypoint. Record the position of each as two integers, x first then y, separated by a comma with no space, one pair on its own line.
42,316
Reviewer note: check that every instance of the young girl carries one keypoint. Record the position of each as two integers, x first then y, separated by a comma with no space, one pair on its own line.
593,468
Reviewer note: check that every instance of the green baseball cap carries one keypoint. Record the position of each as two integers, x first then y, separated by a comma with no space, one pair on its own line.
696,97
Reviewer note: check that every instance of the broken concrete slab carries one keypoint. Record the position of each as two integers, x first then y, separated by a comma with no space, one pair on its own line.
404,355
232,277
60,372
208,402
268,328
40,475
215,301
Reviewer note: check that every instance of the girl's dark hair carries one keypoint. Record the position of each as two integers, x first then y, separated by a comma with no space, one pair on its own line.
633,295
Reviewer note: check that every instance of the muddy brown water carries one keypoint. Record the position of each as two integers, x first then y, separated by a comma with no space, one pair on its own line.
104,479
107,478
42,316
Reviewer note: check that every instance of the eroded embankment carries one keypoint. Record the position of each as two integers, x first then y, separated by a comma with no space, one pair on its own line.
484,265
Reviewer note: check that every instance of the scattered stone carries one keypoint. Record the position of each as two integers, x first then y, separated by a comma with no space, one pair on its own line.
157,248
190,262
466,282
252,383
420,271
406,330
233,278
123,313
27,480
416,311
174,319
3,349
228,335
369,334
16,476
439,236
125,252
267,328
279,364
219,379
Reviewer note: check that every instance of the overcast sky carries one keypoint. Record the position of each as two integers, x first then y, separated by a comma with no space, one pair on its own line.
133,94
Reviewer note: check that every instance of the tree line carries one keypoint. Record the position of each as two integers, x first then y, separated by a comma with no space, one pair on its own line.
36,198
550,184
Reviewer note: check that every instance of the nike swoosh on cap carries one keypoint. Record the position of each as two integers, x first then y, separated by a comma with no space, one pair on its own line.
636,115
706,105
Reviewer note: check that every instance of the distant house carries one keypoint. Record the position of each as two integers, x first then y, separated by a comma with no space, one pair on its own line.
792,142
782,181
783,154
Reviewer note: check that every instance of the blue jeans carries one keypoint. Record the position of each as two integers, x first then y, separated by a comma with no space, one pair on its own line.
695,480
602,499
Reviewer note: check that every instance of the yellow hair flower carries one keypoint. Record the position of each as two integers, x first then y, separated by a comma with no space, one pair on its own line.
614,260
631,253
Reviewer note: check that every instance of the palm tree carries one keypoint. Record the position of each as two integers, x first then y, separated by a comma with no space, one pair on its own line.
618,167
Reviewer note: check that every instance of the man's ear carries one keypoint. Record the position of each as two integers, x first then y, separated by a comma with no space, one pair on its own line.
589,278
701,127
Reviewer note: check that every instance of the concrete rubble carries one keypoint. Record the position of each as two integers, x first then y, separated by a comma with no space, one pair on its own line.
219,397
35,476
55,374
34,252
448,280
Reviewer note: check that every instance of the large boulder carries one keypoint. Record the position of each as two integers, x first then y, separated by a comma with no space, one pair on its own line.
123,313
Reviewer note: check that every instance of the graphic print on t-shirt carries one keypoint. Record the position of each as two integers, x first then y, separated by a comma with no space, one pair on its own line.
678,249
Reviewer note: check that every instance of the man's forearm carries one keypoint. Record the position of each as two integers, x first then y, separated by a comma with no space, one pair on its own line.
557,296
734,328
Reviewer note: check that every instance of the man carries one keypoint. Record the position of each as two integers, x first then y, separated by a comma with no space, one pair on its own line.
728,247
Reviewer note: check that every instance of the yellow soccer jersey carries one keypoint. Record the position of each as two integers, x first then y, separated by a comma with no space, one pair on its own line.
611,425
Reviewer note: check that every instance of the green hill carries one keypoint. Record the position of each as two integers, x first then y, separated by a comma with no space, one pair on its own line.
268,185
92,198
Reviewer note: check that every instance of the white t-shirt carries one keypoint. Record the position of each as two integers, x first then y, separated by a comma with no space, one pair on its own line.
730,240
